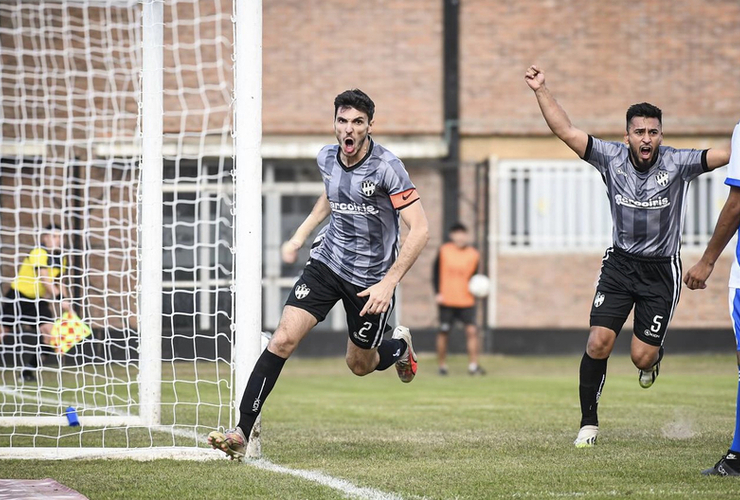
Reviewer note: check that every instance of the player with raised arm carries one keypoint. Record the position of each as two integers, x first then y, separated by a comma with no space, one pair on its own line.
646,185
696,279
354,259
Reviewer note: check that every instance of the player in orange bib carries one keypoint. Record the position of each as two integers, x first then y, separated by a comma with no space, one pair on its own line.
456,263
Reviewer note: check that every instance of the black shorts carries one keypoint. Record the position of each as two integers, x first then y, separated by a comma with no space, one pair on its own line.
319,289
448,315
651,284
19,311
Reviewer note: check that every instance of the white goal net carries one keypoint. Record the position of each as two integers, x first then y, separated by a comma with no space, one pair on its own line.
73,153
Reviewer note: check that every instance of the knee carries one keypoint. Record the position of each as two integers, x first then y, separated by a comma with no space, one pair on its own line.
359,367
600,344
644,360
281,344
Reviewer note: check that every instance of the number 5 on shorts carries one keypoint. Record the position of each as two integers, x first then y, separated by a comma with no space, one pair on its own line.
657,323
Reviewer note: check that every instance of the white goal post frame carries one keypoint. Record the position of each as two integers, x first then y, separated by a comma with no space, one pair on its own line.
248,341
248,200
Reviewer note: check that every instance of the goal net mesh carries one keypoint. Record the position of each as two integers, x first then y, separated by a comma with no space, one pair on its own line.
70,150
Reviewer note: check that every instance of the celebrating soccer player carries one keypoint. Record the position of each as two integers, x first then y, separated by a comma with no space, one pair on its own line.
354,259
646,185
696,278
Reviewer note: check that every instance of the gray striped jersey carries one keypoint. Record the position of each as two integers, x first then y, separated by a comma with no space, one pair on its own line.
647,208
360,243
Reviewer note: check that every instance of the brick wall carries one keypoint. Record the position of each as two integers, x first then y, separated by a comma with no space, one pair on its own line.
69,77
680,54
555,291
314,49
198,74
598,58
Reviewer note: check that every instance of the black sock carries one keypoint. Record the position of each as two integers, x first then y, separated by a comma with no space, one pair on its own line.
592,378
261,381
390,350
661,351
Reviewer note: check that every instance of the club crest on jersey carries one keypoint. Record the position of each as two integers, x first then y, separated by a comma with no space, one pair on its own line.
301,291
599,299
662,179
368,188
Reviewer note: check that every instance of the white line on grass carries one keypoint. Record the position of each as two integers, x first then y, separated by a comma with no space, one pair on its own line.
341,485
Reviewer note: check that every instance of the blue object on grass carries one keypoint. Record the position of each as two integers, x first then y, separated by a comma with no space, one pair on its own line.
72,417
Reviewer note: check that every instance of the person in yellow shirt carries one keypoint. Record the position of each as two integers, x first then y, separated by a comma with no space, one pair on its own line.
26,308
456,263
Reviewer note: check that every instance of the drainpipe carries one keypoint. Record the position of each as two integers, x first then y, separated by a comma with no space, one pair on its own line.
451,93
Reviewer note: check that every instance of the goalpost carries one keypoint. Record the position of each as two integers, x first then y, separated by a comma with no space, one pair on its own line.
136,126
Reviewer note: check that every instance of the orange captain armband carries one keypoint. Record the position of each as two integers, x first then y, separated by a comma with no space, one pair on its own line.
404,198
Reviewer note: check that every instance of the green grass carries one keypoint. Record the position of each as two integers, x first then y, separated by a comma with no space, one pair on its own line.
506,435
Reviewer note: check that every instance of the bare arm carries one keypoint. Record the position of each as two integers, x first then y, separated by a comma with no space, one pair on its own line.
717,158
319,213
380,294
416,220
727,224
554,115
54,289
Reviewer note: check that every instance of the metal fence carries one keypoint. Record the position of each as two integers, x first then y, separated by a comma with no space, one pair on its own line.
561,206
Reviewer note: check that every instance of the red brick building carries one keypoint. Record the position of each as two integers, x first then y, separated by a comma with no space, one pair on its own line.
598,57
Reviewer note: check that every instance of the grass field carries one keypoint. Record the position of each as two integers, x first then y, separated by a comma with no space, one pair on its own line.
506,435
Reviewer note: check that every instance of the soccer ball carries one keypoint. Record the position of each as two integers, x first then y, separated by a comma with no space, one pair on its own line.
479,285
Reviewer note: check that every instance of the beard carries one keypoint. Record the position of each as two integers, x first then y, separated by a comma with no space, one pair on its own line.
638,161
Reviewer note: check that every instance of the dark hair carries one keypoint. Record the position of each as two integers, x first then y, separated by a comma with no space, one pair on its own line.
52,228
644,110
458,226
357,99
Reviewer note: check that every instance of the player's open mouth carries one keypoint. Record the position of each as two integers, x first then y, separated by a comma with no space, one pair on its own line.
349,145
646,151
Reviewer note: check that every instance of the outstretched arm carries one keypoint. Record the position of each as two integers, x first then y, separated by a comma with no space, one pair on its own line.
727,224
380,294
717,158
554,115
320,211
